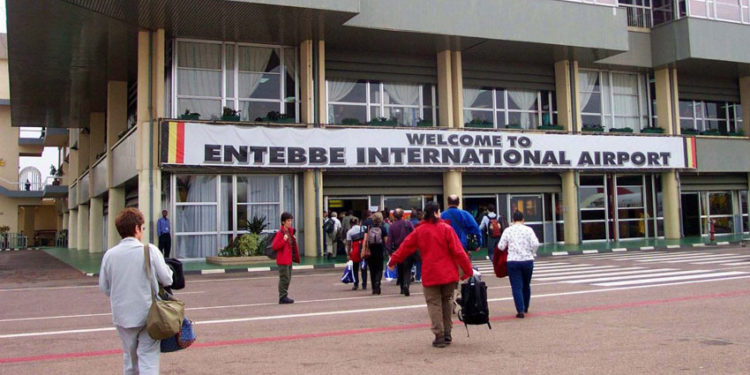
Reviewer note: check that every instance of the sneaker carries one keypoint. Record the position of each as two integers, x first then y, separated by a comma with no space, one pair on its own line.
448,339
285,300
519,315
439,341
355,287
406,293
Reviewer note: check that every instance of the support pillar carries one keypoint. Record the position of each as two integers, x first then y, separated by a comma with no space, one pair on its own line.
565,91
65,221
670,193
570,207
313,208
83,227
116,202
73,229
457,89
452,184
745,103
96,212
667,100
28,225
445,89
150,106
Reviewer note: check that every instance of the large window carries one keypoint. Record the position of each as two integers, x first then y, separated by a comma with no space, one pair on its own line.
639,12
593,201
363,102
613,100
498,108
710,117
253,79
210,210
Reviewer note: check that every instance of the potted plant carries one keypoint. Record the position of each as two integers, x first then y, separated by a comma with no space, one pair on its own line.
382,121
246,248
592,128
711,132
274,116
479,123
652,130
688,131
513,126
621,130
190,115
230,114
551,127
738,133
350,121
424,123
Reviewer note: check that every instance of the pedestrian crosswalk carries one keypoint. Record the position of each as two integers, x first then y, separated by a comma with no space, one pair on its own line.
619,275
676,257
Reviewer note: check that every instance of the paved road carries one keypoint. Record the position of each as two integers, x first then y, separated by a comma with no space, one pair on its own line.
653,312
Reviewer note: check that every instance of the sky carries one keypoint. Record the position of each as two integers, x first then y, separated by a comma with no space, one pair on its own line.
49,156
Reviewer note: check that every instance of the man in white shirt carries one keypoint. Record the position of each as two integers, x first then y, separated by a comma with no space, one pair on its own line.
123,279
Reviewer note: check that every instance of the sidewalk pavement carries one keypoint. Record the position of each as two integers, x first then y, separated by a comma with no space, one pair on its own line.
89,263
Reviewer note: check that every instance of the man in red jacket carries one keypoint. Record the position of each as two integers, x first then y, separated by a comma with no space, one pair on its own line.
441,251
285,245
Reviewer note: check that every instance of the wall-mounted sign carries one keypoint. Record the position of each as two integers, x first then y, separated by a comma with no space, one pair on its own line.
193,144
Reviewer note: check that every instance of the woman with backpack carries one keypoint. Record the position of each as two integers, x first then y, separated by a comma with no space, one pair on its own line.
374,250
441,253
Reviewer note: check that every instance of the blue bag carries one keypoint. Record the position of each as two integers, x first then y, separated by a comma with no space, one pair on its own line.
390,275
348,276
181,340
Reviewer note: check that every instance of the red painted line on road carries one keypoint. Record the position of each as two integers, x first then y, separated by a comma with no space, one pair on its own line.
49,357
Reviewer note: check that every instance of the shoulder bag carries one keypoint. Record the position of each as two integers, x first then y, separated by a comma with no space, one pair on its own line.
165,316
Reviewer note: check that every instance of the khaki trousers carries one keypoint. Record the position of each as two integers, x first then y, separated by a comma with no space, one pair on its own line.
439,300
285,277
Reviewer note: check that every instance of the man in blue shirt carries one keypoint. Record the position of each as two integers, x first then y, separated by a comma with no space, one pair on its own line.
462,222
162,230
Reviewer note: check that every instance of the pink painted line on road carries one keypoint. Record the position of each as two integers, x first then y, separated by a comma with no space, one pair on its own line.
50,357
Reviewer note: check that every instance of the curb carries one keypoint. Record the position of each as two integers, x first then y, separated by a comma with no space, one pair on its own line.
640,248
28,248
328,266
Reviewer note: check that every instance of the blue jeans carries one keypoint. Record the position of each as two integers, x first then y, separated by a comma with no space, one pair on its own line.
519,274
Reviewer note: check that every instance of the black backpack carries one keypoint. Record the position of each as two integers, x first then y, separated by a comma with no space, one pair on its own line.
328,226
474,309
178,276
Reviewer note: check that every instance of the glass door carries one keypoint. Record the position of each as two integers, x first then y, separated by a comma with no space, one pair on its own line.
532,207
691,216
720,210
631,207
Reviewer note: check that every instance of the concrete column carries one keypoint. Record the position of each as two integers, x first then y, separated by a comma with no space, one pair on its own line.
84,150
452,184
116,203
73,229
570,207
28,225
667,100
313,208
307,91
670,195
83,227
97,142
445,89
150,75
564,92
96,212
745,103
65,221
117,110
322,79
574,71
457,89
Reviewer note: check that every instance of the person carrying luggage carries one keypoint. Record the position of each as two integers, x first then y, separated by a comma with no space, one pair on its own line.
354,251
398,231
442,256
492,225
522,243
374,243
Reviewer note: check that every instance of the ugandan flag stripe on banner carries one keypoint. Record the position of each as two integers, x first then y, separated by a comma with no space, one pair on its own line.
175,139
691,158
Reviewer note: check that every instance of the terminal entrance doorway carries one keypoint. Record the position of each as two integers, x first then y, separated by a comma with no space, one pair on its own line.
358,205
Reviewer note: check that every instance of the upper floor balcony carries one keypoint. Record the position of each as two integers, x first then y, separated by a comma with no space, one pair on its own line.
650,13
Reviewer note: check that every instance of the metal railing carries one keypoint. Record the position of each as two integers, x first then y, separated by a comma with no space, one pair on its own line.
61,238
612,3
11,240
638,16
34,186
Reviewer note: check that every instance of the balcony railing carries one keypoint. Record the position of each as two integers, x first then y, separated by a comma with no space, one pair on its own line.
638,15
612,3
737,11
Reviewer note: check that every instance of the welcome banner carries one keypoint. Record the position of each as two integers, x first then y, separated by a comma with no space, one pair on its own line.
197,144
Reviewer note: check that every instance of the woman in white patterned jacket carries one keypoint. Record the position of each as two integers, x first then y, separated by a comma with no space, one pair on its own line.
521,242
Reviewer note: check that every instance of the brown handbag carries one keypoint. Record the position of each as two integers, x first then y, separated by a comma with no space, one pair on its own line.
165,315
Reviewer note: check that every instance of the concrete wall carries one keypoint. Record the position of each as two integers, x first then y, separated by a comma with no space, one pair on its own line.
4,80
8,155
700,39
723,155
9,213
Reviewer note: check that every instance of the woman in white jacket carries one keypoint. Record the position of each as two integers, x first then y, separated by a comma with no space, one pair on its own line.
521,242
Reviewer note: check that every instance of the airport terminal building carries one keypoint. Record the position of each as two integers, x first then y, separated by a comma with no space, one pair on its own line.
601,121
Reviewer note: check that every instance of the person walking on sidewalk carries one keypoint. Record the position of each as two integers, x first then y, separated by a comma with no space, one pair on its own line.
123,279
354,250
331,230
521,242
285,245
493,225
374,243
442,256
398,231
163,232
463,224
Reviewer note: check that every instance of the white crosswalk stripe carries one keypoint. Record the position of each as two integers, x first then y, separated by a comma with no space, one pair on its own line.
614,275
687,257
